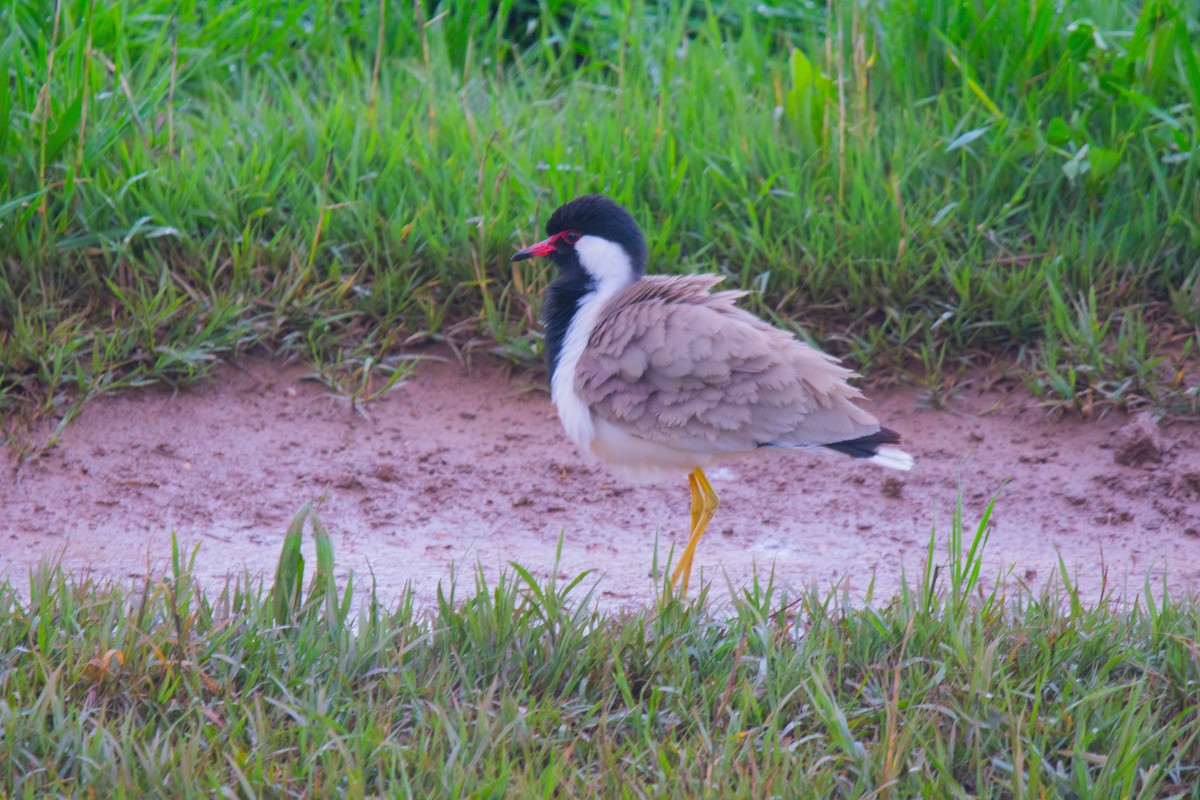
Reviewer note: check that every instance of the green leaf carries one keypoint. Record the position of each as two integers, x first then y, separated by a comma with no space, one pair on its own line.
323,585
66,129
6,90
289,572
1059,133
1081,38
1102,161
24,203
807,99
1144,103
1186,50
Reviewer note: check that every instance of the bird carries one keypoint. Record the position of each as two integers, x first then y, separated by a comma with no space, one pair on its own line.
660,376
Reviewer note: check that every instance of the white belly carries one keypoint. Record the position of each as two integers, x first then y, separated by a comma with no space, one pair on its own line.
638,460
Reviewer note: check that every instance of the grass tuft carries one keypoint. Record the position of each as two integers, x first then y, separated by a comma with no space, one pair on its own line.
522,686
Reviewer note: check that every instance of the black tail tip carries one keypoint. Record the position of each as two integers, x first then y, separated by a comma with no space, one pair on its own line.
866,446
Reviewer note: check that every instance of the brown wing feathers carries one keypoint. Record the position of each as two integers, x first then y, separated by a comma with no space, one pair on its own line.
672,361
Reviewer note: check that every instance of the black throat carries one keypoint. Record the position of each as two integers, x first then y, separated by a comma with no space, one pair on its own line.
562,301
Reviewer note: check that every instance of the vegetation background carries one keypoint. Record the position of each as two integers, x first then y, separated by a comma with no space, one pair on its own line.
918,185
921,186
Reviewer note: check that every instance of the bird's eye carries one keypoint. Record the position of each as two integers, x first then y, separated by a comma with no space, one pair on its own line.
571,237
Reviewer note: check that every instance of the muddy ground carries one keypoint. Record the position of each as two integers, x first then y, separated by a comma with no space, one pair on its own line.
461,467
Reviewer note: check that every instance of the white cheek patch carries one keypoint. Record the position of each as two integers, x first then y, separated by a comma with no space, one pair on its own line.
611,270
607,262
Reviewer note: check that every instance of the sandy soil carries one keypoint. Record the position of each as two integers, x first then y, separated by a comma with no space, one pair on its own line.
461,467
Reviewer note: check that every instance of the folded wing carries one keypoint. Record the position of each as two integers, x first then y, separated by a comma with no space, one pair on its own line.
674,362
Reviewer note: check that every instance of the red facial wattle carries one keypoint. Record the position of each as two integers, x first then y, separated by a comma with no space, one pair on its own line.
546,246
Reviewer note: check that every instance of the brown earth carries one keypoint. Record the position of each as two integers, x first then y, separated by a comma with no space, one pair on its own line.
462,467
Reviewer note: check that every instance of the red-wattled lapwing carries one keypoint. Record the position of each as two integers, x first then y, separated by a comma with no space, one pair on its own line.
658,376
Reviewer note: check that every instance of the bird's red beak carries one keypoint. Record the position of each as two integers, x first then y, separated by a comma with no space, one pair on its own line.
542,248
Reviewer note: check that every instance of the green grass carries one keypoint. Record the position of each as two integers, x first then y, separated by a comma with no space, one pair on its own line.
520,688
922,186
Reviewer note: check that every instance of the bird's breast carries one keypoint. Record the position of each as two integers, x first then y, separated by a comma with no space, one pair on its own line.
573,410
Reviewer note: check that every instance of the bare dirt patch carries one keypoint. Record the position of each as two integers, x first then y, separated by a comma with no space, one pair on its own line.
461,467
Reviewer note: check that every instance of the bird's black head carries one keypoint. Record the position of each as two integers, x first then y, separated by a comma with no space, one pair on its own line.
581,237
598,249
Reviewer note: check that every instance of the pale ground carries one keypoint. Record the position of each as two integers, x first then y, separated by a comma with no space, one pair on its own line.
459,468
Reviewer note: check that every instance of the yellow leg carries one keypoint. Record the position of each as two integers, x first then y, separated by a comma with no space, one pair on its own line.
696,501
697,506
704,504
